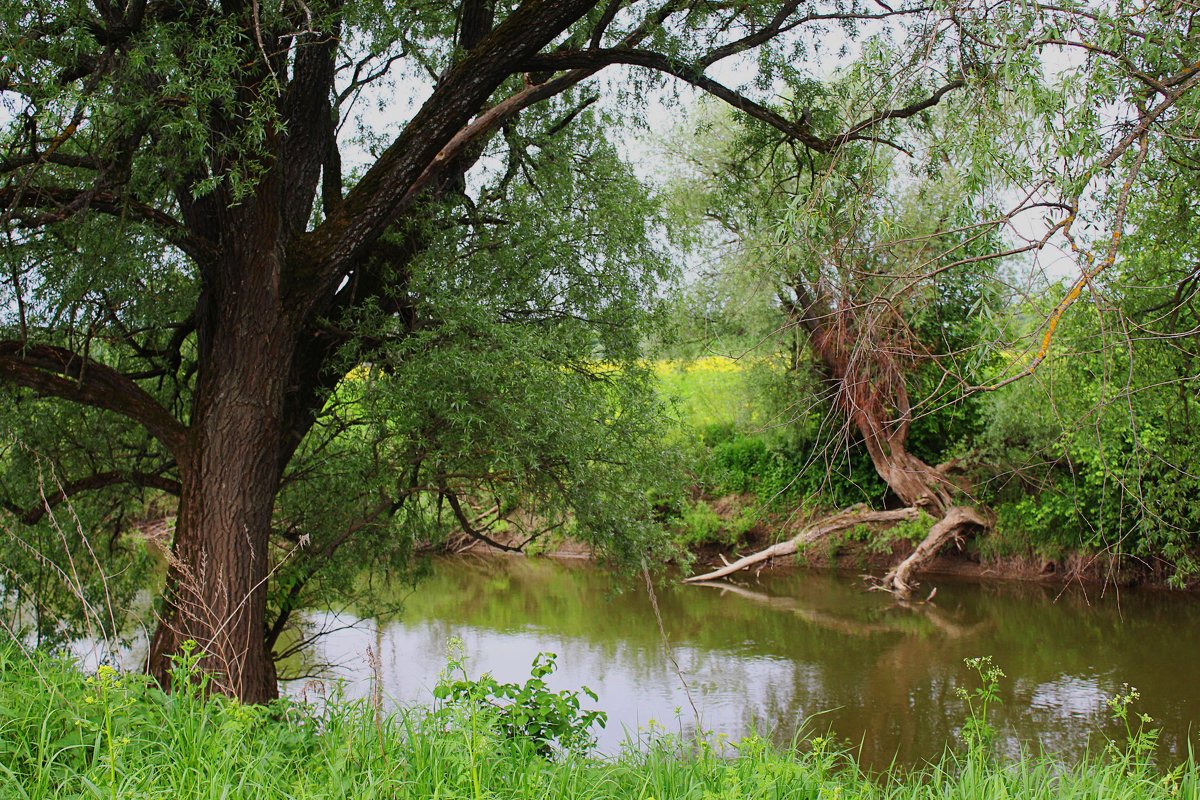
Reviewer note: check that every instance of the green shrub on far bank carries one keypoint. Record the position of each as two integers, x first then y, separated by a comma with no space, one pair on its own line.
700,524
787,474
880,541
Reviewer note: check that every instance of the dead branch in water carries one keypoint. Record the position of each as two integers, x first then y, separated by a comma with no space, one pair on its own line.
811,533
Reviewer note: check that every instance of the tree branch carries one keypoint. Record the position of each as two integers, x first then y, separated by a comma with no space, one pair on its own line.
62,203
317,261
898,113
475,21
59,372
308,111
694,74
597,59
100,480
469,529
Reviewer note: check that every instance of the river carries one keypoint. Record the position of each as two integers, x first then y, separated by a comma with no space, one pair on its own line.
788,652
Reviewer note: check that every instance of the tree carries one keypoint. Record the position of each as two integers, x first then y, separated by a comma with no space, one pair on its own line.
877,267
854,272
186,253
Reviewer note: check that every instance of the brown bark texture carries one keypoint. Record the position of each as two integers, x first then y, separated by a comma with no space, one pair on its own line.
870,390
218,569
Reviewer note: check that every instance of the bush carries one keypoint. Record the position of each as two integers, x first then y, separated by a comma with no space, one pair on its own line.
701,525
741,463
527,713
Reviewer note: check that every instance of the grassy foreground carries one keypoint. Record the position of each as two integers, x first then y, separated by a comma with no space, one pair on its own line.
67,735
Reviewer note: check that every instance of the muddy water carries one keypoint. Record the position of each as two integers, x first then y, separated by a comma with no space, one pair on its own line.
807,650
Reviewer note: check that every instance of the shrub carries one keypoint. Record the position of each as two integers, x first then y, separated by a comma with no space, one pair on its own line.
523,713
741,463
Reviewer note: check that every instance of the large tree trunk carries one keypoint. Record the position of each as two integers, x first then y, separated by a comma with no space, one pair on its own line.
217,578
870,389
220,562
910,479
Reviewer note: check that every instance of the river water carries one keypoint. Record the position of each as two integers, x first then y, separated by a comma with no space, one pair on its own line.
802,651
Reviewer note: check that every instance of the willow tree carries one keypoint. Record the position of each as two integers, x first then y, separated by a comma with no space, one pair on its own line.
221,281
875,265
1061,107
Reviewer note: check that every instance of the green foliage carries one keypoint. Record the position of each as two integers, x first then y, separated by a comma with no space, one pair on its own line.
702,525
526,714
74,570
881,541
740,463
1140,739
787,474
64,735
723,405
1047,524
1103,465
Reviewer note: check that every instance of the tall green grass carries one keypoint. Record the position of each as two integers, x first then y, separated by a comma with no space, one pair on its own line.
110,735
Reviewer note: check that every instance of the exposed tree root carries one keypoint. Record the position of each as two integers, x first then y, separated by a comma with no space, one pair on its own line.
811,533
956,520
899,581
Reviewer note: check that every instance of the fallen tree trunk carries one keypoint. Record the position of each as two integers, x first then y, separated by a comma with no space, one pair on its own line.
899,580
811,533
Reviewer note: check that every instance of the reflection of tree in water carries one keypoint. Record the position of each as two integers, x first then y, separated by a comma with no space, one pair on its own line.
1066,652
770,654
883,701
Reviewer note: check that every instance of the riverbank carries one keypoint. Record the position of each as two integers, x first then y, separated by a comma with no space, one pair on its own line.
855,552
852,552
64,734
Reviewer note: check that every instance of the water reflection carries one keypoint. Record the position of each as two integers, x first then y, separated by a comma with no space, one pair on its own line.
784,652
1070,696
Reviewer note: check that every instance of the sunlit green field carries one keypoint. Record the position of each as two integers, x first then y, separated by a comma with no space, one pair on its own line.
708,391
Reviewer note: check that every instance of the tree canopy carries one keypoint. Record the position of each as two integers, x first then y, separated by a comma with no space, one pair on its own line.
910,270
317,332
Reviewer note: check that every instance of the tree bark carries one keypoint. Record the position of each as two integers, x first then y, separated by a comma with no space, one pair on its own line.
220,562
957,520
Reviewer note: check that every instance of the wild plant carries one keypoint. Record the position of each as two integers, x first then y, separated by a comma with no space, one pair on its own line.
528,712
1141,739
108,692
977,730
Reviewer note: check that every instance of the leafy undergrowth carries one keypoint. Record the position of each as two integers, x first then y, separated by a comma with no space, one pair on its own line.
112,735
